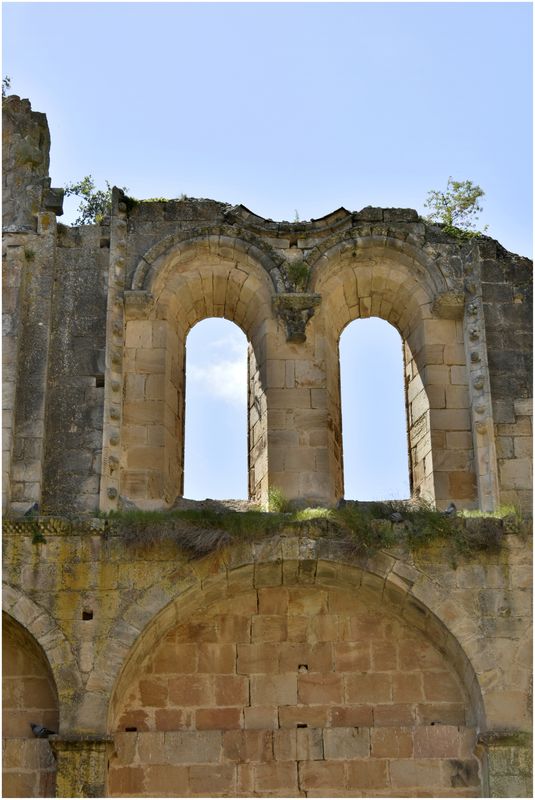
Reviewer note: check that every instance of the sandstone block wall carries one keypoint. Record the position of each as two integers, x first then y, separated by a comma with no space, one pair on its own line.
295,691
507,301
96,320
28,696
411,675
288,665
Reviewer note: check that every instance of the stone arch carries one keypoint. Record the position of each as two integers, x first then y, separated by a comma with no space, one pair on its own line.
246,593
415,597
245,248
48,634
390,279
356,243
188,281
29,696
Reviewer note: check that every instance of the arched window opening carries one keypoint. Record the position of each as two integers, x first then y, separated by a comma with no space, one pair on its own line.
374,420
215,457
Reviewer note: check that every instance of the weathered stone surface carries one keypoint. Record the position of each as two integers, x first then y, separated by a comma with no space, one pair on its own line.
206,695
25,161
95,342
261,669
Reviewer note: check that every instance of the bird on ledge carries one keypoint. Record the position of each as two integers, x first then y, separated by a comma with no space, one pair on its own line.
40,732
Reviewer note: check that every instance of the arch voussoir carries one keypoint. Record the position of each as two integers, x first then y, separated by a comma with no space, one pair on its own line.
40,623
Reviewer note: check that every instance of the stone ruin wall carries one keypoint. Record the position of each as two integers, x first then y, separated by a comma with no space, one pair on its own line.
95,322
285,667
96,319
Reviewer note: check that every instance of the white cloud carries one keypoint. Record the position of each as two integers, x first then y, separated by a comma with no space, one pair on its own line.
217,363
226,380
235,344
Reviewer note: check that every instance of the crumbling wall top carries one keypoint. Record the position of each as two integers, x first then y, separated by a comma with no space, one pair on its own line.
25,165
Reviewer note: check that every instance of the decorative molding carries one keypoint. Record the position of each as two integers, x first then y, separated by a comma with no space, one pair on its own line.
449,305
479,387
115,320
295,310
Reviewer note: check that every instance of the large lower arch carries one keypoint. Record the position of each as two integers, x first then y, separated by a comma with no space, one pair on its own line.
323,679
46,631
205,277
29,696
359,279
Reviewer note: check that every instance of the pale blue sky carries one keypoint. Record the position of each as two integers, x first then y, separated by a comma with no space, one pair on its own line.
285,106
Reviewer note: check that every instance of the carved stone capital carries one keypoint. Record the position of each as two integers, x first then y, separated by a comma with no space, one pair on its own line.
295,310
449,305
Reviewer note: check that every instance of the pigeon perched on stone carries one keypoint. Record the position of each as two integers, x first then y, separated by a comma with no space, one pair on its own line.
396,517
32,510
40,732
451,511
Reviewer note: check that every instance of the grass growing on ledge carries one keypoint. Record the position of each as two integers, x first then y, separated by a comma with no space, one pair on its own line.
197,531
501,513
364,528
277,501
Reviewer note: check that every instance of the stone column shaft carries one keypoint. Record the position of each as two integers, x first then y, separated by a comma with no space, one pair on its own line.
82,765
